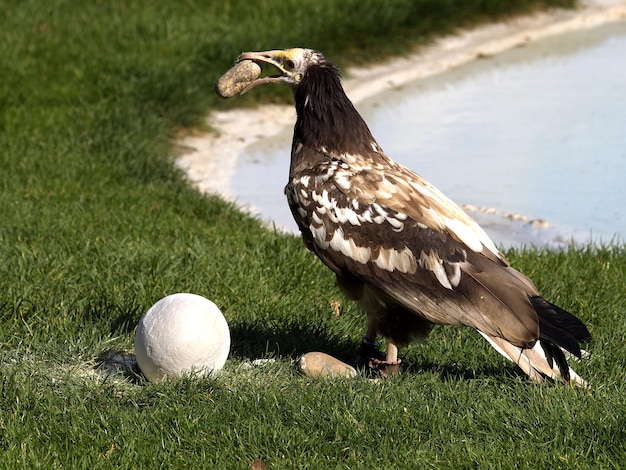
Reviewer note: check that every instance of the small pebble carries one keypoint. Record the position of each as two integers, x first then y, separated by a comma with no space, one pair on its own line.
237,78
321,365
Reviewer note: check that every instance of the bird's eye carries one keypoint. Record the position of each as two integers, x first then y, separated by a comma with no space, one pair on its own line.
289,64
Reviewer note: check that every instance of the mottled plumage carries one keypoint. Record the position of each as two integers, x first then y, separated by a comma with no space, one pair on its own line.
409,255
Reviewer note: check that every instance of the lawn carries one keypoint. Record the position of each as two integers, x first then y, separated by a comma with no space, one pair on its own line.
96,225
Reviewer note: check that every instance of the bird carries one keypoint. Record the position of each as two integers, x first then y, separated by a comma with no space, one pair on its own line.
408,255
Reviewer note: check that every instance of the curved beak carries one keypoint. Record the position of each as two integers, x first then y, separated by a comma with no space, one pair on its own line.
275,58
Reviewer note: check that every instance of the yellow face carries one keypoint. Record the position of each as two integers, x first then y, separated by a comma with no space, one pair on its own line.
293,62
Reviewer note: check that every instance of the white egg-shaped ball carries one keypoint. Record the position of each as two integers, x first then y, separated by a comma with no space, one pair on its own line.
180,334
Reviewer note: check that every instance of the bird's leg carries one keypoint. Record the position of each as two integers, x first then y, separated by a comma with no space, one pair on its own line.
392,353
368,350
391,364
370,356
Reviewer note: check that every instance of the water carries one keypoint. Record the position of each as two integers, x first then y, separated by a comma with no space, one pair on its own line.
539,130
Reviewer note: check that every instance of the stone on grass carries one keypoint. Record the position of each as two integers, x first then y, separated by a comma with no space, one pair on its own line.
321,365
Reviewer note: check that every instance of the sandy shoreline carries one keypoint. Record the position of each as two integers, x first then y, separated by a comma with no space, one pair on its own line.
209,160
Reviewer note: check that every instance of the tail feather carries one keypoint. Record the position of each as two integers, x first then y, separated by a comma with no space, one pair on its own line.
560,336
553,355
559,327
535,363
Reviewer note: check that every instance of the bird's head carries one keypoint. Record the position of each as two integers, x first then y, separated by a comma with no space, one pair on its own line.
292,65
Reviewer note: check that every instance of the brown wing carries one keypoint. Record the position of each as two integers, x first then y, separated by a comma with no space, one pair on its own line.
383,224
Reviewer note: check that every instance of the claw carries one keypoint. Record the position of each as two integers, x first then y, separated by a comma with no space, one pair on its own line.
385,368
370,357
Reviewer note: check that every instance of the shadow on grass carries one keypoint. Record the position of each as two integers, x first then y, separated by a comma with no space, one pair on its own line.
450,372
258,341
117,318
252,341
279,339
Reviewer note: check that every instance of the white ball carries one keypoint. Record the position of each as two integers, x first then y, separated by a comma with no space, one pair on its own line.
181,333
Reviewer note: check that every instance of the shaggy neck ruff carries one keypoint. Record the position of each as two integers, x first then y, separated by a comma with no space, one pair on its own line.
326,117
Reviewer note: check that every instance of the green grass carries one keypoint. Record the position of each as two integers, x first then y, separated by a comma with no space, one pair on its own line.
96,225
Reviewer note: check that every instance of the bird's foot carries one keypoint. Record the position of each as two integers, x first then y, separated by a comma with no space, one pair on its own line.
384,368
370,358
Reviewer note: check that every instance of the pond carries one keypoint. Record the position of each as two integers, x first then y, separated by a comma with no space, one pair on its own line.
532,141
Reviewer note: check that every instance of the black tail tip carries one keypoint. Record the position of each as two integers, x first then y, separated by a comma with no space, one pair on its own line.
560,327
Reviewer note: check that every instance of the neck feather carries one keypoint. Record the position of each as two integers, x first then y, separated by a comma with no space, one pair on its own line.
326,116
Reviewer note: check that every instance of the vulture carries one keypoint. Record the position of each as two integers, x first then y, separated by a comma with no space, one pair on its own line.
408,255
